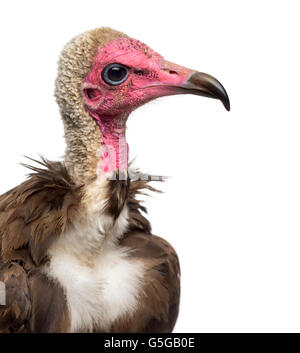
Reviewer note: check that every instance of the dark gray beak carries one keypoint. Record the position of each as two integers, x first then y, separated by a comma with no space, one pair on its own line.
205,85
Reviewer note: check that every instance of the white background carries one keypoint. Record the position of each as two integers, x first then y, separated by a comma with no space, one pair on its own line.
231,208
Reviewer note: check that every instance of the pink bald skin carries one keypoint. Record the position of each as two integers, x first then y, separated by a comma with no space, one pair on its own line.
150,77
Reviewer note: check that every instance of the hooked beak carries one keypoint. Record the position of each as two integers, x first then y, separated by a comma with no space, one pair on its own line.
205,85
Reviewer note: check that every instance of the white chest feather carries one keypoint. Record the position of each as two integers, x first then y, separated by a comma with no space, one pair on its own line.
98,295
100,279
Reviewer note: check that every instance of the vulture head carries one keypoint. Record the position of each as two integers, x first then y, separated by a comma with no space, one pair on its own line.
103,75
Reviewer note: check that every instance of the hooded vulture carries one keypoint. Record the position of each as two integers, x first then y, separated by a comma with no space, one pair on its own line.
77,253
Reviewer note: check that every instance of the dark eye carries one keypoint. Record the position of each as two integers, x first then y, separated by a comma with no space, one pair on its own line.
115,74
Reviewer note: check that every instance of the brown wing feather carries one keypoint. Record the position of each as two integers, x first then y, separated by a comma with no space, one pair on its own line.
32,216
15,315
49,306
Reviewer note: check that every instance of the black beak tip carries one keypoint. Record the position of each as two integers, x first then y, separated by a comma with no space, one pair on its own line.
226,103
221,94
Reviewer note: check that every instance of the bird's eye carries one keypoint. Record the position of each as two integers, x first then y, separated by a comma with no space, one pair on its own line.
115,74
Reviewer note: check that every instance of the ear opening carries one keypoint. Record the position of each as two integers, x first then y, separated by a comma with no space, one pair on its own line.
92,94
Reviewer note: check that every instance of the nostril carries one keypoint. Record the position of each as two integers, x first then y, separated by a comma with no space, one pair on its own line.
169,71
